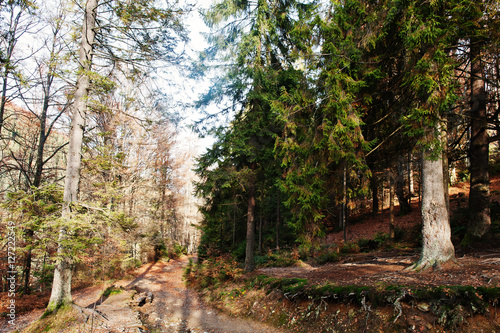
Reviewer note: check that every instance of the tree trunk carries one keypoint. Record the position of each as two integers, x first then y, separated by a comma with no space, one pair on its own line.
250,251
61,287
479,196
234,222
404,200
344,203
437,247
278,223
446,169
374,188
27,267
391,204
411,189
260,235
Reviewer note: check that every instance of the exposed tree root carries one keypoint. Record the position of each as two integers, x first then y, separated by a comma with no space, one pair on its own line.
87,313
429,265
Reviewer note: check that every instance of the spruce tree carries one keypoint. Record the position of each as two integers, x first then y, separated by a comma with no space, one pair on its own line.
255,45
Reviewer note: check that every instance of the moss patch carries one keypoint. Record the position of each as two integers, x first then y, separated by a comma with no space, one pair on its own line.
294,304
65,319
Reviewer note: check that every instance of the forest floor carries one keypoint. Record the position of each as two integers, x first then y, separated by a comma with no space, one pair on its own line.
477,266
177,309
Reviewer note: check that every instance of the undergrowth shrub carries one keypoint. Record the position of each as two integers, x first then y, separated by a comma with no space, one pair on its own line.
351,248
278,259
328,257
171,251
381,240
212,272
327,254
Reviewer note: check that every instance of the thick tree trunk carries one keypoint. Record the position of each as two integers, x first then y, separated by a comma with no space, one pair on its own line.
437,247
61,286
479,196
250,249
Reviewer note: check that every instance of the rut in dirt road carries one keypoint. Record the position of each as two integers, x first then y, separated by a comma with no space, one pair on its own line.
177,309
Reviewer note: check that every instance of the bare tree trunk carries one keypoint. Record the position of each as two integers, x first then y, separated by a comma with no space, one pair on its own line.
446,168
404,200
250,251
278,223
61,286
391,204
479,197
260,235
374,187
437,247
234,222
411,189
344,203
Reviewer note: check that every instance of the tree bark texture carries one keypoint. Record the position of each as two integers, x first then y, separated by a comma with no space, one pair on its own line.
437,247
479,196
250,249
61,287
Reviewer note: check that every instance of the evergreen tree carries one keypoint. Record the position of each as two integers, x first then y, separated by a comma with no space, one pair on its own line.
256,45
431,93
322,136
477,29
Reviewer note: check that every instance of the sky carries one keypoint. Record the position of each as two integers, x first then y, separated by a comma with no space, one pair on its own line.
185,89
174,82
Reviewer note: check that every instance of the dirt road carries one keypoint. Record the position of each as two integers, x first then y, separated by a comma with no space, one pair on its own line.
174,307
178,309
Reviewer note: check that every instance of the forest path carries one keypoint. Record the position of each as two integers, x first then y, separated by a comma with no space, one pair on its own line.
174,307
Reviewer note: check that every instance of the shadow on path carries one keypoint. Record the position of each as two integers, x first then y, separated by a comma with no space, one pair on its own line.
141,276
